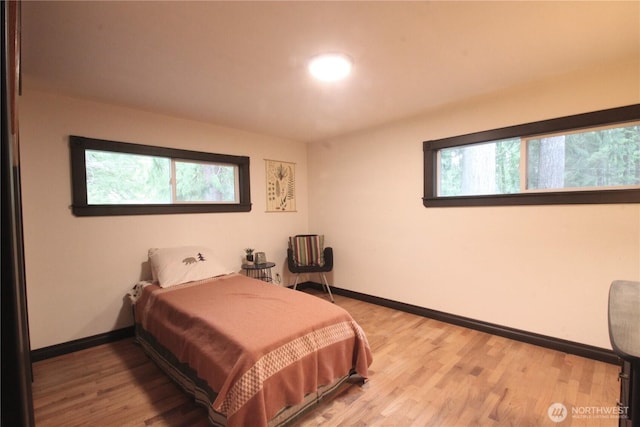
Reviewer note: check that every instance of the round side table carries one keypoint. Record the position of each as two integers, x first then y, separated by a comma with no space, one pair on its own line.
259,271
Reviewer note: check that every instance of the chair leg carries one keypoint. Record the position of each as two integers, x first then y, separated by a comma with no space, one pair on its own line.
295,284
325,284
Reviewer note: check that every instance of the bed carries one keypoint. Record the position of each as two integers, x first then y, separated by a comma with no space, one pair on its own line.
253,353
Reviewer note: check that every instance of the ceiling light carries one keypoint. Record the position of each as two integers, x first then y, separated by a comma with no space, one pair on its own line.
330,67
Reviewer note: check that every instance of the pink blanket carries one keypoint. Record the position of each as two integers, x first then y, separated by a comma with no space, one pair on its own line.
261,347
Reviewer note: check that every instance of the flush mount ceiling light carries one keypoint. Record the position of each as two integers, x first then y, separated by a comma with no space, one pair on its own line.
330,67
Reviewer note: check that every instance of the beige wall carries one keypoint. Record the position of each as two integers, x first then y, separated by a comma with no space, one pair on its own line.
544,269
78,270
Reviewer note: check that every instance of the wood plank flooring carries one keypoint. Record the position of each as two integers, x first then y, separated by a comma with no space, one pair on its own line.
424,373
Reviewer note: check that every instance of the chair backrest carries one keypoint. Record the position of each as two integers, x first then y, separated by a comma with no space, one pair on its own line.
307,249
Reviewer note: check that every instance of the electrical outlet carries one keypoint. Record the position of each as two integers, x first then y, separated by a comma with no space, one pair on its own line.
278,280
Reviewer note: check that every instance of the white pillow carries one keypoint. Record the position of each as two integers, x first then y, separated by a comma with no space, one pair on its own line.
173,266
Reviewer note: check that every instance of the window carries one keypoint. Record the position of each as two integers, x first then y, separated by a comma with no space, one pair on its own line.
114,178
587,158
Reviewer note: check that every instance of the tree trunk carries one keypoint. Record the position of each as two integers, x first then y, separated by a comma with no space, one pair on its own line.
479,169
551,170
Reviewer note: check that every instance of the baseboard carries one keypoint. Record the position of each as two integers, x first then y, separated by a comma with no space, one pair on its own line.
81,344
584,350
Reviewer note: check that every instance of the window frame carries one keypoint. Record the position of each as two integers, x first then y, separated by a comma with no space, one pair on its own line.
80,207
569,123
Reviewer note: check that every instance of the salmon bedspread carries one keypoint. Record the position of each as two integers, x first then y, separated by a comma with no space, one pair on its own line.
258,346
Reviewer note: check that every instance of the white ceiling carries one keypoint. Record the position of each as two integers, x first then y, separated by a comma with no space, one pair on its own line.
243,64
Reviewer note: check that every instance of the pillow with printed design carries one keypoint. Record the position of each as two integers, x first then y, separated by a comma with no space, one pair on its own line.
177,265
308,250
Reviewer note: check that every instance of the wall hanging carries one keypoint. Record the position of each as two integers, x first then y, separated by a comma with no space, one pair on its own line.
281,186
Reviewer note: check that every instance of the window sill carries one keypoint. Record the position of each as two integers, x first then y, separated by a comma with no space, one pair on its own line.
547,198
106,210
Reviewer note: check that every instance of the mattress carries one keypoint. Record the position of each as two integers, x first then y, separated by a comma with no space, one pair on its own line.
252,352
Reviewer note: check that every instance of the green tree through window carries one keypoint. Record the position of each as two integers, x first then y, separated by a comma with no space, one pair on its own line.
596,154
113,178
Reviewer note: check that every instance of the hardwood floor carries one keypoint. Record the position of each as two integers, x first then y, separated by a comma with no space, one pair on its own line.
424,373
